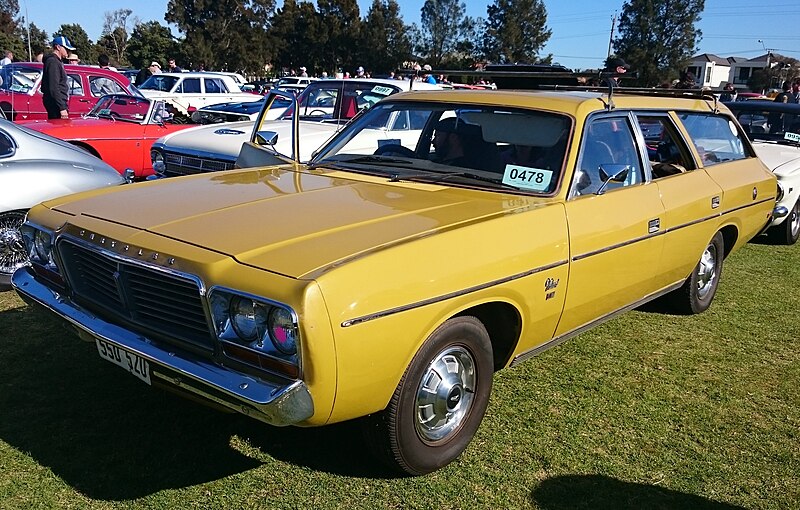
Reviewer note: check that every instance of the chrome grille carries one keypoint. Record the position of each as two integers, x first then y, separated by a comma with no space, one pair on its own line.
179,164
150,301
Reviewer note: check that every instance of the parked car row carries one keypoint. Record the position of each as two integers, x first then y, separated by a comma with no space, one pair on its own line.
386,274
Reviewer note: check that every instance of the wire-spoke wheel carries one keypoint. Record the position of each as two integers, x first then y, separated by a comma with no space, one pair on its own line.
12,247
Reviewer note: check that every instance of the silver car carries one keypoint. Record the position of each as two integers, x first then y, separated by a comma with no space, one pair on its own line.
33,168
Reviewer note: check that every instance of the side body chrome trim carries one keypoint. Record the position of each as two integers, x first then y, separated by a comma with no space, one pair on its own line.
575,332
450,295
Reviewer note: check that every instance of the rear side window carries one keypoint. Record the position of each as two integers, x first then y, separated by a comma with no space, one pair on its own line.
666,150
7,146
75,85
100,86
716,138
215,86
190,86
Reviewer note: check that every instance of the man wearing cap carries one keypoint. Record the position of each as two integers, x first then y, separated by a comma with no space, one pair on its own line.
73,59
617,66
426,74
55,91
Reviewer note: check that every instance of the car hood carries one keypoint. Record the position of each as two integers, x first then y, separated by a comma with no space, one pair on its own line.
226,139
62,128
290,222
781,159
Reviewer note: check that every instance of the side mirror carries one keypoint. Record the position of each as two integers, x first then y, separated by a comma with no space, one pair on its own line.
612,173
267,138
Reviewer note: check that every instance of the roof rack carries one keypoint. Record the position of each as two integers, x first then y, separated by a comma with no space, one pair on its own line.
556,77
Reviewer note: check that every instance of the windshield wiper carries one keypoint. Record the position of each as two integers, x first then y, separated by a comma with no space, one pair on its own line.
439,177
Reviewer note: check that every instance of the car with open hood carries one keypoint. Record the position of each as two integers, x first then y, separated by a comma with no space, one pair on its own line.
188,92
323,107
389,278
120,130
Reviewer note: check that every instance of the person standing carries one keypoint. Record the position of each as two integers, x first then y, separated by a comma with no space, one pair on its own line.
615,67
104,62
7,59
173,67
55,90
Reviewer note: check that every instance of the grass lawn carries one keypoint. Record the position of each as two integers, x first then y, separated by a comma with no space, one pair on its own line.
647,411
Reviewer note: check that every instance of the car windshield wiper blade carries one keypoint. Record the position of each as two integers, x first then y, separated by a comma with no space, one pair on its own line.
434,177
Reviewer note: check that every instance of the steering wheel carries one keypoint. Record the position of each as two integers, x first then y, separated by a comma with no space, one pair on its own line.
395,149
317,112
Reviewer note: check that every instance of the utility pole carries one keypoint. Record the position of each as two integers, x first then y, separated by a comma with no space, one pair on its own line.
611,36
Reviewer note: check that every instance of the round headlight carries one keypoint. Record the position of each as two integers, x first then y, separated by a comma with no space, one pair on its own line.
42,244
282,331
249,319
156,156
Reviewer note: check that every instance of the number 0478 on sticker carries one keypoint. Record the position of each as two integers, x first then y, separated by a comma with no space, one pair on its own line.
523,177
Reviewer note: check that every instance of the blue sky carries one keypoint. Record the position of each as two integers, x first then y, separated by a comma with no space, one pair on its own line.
580,32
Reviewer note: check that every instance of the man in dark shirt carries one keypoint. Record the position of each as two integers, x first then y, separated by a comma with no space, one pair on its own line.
55,90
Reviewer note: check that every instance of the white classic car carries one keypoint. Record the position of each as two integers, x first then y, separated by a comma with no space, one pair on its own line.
192,91
324,106
774,129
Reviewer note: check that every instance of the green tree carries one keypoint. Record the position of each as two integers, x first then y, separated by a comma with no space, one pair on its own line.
515,31
657,38
444,25
9,28
385,41
222,34
150,41
84,47
115,36
341,22
296,34
39,40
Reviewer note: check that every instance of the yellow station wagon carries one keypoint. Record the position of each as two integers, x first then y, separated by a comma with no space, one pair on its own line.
389,279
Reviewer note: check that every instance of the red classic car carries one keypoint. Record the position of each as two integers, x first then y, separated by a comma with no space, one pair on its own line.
21,97
120,130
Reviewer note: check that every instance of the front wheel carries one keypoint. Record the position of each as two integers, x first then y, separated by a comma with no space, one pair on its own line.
440,401
789,231
12,247
700,287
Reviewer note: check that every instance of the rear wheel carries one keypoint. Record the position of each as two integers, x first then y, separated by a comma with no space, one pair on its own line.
440,401
789,231
12,248
699,289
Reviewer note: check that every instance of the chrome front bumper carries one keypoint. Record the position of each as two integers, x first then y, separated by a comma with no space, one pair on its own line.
272,403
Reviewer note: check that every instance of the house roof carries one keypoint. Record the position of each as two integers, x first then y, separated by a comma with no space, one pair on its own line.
710,57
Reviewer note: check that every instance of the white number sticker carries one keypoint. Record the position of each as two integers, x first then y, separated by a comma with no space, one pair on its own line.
792,137
523,177
384,91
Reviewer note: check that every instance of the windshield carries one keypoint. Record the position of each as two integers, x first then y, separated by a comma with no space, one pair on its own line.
338,100
16,78
158,82
771,122
127,108
503,148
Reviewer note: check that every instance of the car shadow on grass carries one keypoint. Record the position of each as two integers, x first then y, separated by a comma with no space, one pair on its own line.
111,437
598,492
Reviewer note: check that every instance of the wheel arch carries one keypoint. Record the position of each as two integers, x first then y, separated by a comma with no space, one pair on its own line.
730,234
88,148
503,322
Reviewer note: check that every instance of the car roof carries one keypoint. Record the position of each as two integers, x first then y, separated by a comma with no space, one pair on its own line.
763,105
573,102
71,68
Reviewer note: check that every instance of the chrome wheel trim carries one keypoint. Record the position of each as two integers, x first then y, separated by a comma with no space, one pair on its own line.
445,394
794,220
707,271
12,247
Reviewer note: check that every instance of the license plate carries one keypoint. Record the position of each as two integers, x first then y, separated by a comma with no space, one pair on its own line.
131,362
